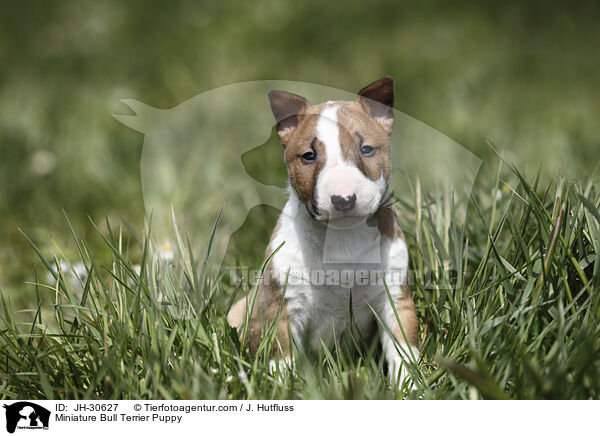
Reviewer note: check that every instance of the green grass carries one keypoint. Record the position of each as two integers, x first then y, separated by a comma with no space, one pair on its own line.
508,304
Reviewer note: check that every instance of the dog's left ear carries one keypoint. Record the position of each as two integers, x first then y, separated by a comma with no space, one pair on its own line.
377,99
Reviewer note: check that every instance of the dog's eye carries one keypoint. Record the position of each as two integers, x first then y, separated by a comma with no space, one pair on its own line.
366,150
309,156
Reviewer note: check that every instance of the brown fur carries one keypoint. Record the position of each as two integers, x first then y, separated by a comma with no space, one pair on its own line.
303,175
267,308
386,221
357,128
405,307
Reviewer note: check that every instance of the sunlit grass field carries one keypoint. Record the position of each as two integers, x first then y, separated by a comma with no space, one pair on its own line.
508,302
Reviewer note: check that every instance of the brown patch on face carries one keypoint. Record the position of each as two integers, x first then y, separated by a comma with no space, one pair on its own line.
358,129
303,174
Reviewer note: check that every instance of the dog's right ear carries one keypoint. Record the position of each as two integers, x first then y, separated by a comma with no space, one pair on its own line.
287,109
377,99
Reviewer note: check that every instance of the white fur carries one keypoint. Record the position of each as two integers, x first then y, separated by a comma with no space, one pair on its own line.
328,133
282,368
320,312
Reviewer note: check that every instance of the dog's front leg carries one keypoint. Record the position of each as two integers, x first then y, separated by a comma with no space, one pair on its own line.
282,361
399,339
267,315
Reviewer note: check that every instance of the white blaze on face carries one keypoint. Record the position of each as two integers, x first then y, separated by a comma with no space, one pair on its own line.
342,177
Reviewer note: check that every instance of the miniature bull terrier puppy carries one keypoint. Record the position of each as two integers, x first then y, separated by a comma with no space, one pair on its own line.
337,235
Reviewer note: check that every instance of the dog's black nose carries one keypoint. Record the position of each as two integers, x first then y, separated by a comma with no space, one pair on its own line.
343,203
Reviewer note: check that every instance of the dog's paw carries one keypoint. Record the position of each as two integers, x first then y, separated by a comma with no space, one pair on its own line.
399,373
282,368
400,378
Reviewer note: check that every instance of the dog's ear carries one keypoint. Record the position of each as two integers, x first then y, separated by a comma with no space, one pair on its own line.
287,109
377,99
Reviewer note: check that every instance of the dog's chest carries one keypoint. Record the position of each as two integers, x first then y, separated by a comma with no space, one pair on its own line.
327,270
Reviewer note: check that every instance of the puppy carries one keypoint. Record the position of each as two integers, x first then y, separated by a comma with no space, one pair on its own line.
337,240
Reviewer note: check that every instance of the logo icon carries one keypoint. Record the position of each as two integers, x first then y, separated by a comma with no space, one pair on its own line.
26,415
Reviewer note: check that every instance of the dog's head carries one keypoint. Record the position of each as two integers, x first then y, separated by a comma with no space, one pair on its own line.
338,153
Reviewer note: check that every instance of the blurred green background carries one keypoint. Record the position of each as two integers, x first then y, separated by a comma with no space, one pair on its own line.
523,76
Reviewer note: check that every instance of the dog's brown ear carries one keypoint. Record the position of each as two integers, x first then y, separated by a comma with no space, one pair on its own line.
377,99
287,108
